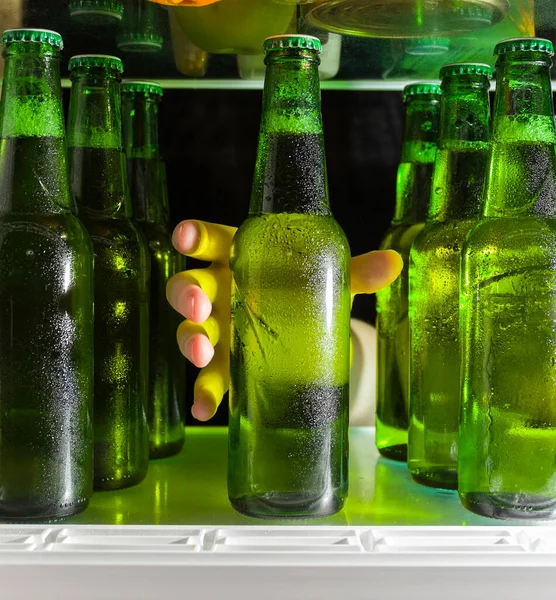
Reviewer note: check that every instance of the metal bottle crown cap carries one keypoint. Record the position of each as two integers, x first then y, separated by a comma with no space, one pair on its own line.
42,36
294,41
141,87
96,60
524,45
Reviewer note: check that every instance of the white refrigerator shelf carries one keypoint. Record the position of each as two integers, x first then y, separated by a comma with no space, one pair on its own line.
176,535
244,562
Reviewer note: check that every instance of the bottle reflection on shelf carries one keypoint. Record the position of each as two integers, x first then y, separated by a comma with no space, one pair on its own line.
96,12
141,27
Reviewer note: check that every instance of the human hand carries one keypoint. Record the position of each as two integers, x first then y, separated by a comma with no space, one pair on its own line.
202,296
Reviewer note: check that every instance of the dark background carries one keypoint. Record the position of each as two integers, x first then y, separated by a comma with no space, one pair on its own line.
209,137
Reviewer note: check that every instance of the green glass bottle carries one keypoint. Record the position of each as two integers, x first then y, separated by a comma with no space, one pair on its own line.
46,308
434,274
412,201
507,439
147,184
288,427
99,182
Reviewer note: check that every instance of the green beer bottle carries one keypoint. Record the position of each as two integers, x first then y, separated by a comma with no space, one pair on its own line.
46,308
288,427
146,179
434,274
507,440
99,182
412,201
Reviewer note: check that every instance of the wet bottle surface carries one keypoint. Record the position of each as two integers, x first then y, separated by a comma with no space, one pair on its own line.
507,439
146,178
46,309
434,274
98,176
412,201
288,431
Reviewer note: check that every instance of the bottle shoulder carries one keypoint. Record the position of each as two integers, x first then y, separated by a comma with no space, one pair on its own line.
63,228
304,232
443,234
401,237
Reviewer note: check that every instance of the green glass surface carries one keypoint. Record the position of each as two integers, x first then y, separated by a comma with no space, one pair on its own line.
46,309
121,295
165,410
434,275
190,489
507,437
412,200
290,261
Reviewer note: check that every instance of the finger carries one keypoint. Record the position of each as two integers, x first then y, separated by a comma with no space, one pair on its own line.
187,298
204,240
372,271
211,384
197,341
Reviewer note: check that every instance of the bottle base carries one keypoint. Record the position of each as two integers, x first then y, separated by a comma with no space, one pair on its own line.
509,506
445,479
166,450
398,452
110,484
287,506
43,515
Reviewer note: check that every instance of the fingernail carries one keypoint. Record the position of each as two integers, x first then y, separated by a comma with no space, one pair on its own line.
190,306
203,408
188,235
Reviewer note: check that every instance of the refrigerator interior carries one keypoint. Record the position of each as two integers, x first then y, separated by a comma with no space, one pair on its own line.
176,532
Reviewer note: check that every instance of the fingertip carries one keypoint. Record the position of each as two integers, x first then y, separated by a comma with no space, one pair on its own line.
204,407
186,237
393,264
201,350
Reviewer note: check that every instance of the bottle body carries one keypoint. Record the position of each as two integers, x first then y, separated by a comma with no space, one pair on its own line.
147,182
508,302
121,299
165,409
507,435
290,311
46,364
435,263
288,427
413,192
121,272
392,326
46,309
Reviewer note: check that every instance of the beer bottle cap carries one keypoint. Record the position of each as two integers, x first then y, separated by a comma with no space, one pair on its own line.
107,8
455,69
524,45
43,36
141,87
140,42
96,60
294,41
421,89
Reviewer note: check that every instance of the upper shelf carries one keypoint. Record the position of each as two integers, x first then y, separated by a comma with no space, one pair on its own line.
368,44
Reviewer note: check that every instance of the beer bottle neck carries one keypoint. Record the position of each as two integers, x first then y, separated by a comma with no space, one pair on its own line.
462,154
417,158
140,126
33,168
522,157
290,171
97,160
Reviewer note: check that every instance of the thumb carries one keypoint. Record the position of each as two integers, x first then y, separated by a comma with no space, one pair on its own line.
372,271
